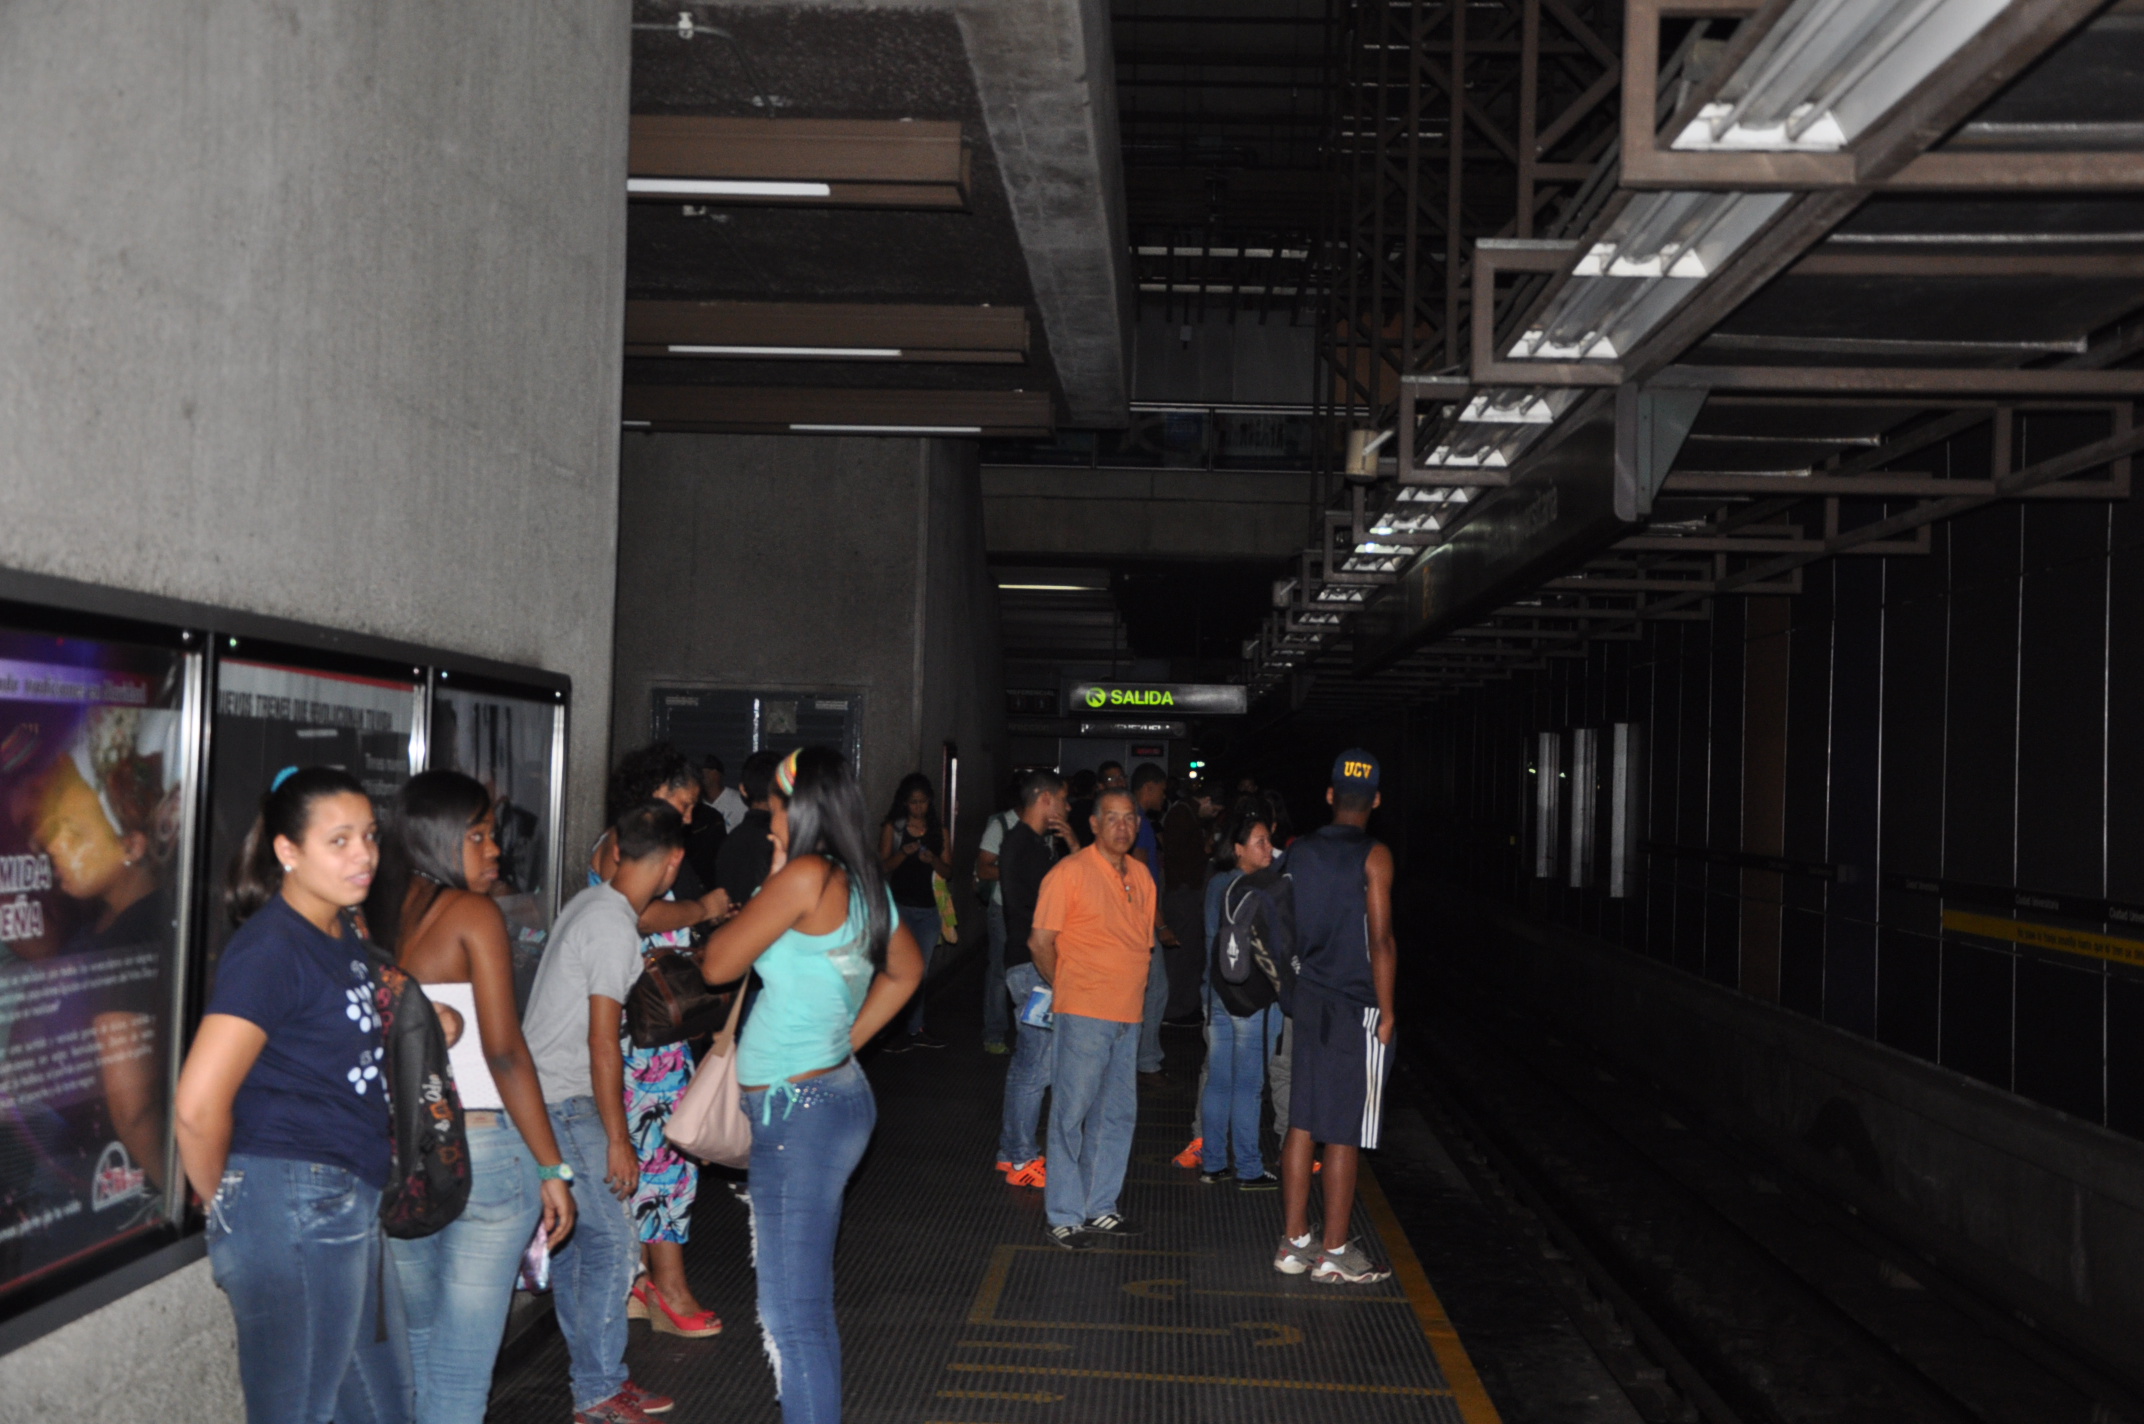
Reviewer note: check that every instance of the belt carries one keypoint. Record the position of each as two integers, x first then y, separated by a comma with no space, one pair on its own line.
484,1117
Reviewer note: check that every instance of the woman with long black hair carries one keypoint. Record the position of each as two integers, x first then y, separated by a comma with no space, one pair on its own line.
837,963
431,906
911,850
283,1122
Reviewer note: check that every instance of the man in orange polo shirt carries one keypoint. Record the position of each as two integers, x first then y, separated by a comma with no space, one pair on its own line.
1094,928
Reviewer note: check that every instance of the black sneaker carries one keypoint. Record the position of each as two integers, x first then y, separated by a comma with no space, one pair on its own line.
1115,1225
897,1045
1209,1178
1263,1182
924,1040
1072,1238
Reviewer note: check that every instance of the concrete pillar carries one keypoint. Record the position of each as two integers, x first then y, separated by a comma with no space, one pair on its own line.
312,309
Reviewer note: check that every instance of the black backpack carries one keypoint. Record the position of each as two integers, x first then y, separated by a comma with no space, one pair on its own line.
429,1183
1240,949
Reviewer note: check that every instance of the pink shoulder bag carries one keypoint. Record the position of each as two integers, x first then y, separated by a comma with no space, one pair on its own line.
708,1121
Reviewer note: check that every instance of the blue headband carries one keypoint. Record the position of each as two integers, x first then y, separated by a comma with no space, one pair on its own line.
280,777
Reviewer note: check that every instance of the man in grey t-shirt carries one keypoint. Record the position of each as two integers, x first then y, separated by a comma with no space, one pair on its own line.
594,952
575,1016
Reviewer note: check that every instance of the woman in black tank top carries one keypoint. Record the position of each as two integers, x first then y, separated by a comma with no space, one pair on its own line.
911,849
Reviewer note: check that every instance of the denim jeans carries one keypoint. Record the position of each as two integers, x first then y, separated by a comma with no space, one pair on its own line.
1157,1004
298,1249
593,1271
1280,1074
996,1021
1235,1087
923,924
1094,1110
1029,1076
458,1282
804,1146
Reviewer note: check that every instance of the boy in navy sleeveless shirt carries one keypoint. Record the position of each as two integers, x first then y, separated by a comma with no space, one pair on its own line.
1345,967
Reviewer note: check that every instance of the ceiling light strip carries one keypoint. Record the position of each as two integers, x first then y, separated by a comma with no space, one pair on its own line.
723,188
826,353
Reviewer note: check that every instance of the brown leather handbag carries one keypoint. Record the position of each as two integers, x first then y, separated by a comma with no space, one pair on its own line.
671,1003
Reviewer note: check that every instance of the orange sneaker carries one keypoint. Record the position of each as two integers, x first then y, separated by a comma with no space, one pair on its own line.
1030,1174
1005,1166
1191,1156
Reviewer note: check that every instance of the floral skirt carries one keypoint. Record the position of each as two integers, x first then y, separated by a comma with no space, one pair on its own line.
655,1079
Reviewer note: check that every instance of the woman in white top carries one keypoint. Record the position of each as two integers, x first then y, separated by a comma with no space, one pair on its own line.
431,906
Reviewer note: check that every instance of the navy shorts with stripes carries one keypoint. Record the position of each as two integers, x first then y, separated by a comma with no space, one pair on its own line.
1339,1069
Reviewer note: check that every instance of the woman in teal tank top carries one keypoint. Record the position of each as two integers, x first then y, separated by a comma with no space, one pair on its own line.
836,966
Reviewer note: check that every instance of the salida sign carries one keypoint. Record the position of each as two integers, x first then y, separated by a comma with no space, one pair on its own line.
1207,698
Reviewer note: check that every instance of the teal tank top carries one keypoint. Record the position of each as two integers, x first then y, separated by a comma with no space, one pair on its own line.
812,987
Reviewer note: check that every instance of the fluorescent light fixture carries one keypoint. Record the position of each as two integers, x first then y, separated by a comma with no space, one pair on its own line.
1830,68
1048,587
1647,264
824,353
817,429
638,424
723,188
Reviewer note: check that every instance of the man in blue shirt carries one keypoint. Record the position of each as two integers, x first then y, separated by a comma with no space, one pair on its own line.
1345,967
1150,785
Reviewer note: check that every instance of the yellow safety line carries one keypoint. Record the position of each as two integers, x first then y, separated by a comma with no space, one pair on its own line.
1333,1386
1014,1345
985,1309
1034,1397
1466,1386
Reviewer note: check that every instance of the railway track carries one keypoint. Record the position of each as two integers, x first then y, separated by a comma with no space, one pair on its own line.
1714,1283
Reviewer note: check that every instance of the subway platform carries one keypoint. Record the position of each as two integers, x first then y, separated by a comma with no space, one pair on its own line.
954,1308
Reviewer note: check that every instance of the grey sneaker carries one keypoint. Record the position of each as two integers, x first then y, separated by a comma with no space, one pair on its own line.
1347,1266
1291,1259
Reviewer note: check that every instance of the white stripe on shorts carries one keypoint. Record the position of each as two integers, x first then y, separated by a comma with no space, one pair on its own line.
1373,1087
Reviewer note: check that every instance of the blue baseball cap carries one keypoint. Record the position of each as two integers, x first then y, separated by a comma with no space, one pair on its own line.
1355,770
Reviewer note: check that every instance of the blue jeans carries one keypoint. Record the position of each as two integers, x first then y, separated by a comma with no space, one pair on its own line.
1029,1076
923,924
804,1146
298,1249
592,1272
1235,1086
1157,1005
1095,1110
996,1019
458,1282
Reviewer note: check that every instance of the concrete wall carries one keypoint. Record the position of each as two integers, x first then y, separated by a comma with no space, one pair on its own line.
1155,514
816,562
2036,1208
312,309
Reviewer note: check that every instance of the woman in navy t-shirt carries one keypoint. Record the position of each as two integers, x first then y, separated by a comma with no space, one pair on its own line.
283,1124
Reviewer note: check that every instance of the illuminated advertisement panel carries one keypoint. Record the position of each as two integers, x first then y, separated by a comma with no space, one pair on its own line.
92,841
269,717
511,745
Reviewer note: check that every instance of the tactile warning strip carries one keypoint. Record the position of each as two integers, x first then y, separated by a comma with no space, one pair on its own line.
954,1307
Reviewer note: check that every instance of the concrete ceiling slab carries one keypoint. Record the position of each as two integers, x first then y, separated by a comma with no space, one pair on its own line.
1045,228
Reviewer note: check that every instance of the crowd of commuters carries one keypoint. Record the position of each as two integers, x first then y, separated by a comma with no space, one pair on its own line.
1265,928
1102,894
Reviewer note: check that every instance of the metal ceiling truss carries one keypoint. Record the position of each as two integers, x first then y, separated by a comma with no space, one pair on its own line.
1518,227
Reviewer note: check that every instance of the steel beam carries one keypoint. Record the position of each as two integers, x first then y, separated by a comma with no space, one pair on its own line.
821,410
834,330
861,163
